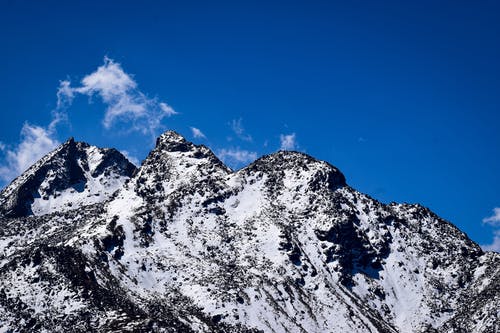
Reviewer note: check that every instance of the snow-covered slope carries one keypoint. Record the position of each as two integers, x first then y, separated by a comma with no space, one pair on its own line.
73,175
283,245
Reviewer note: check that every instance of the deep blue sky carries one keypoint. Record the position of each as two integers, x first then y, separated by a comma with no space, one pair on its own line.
403,97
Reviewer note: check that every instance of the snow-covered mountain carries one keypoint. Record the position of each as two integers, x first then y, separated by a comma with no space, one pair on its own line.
73,175
187,245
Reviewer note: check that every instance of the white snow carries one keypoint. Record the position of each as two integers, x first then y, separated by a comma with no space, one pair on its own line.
94,190
224,240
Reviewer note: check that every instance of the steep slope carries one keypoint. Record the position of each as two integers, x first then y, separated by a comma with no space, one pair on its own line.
73,175
283,245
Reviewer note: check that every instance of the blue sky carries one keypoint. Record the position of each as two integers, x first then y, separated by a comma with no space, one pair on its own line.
403,97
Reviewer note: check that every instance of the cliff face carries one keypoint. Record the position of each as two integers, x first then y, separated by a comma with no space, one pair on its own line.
185,244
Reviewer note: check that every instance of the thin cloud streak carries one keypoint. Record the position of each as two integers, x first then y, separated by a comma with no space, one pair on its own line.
197,133
239,130
288,142
236,156
493,220
495,245
169,111
134,160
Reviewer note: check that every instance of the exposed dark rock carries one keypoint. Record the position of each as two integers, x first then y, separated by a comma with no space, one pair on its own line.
184,244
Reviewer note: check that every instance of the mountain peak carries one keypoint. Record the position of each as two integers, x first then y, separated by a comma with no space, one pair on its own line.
73,172
283,161
173,154
173,141
187,245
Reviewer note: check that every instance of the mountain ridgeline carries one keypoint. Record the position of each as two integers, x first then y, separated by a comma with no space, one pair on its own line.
89,242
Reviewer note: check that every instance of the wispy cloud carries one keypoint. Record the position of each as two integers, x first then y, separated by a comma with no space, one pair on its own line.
169,111
236,156
239,130
65,95
197,133
125,102
494,221
36,141
495,245
134,160
288,141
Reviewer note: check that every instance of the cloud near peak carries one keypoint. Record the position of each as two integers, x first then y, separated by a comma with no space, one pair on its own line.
236,156
197,133
169,111
494,221
239,130
36,141
495,245
125,103
288,141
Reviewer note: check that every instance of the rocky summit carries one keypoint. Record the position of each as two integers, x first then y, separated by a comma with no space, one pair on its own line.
89,242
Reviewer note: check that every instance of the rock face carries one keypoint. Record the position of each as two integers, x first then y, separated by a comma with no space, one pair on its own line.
187,245
73,175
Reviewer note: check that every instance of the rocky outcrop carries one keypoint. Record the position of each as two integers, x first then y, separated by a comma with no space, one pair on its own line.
184,244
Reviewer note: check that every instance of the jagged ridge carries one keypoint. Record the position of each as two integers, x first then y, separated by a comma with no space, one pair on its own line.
283,245
88,173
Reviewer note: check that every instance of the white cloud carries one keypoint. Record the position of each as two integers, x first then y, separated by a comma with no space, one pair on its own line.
197,133
124,101
169,111
35,142
236,156
494,219
134,160
109,81
495,245
239,130
288,142
65,94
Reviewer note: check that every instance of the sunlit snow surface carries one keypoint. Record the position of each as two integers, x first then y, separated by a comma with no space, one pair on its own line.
283,245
